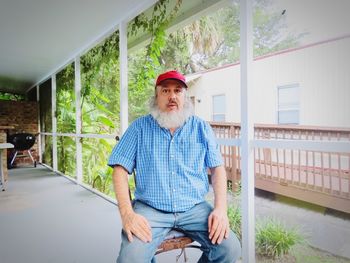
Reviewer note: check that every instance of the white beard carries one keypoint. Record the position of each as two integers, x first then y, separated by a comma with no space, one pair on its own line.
173,120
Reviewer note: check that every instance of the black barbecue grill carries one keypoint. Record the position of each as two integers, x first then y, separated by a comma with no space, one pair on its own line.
22,143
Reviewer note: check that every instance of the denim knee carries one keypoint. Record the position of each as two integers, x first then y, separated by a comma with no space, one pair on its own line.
228,251
136,251
232,248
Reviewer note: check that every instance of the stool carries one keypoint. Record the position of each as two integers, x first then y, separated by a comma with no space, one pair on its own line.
3,146
176,240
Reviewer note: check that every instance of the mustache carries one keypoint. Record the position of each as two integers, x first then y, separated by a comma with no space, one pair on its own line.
172,102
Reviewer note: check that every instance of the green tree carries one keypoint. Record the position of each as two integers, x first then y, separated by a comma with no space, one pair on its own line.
208,42
147,63
65,114
100,110
211,41
11,96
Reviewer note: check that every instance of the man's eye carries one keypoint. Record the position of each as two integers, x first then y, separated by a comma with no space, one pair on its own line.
165,91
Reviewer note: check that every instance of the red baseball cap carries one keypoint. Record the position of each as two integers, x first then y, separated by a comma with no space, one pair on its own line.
172,74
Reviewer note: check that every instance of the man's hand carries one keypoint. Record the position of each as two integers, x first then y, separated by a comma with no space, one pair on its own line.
218,226
135,224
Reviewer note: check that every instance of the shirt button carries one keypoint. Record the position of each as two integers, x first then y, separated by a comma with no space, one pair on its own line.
172,156
174,189
172,173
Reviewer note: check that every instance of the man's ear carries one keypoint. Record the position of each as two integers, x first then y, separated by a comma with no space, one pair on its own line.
156,92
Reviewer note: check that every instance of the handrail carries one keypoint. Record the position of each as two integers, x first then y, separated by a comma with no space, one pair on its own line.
310,163
286,127
81,135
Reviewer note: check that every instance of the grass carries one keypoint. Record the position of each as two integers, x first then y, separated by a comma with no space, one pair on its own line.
274,239
299,253
235,220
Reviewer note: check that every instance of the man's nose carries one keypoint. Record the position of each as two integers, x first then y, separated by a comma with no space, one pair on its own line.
172,95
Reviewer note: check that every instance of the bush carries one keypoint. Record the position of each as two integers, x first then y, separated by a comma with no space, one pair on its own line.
235,220
236,185
273,239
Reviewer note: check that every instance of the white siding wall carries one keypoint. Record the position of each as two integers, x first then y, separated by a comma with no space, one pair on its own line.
322,72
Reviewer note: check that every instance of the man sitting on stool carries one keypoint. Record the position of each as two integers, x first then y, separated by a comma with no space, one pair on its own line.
171,150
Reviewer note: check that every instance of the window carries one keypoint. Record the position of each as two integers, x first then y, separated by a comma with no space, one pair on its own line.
219,108
288,104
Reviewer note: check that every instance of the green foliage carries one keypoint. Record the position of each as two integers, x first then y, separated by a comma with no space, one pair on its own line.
269,30
95,171
45,94
102,181
100,112
274,240
65,114
235,219
208,42
11,96
100,88
100,108
47,152
238,185
66,155
148,66
211,41
235,188
65,100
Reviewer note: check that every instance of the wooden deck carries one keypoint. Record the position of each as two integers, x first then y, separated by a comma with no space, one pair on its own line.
317,177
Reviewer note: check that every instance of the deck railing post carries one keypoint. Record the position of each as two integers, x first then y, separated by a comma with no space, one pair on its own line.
247,132
78,125
39,127
54,123
123,62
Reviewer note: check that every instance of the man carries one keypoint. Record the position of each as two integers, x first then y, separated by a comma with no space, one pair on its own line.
171,150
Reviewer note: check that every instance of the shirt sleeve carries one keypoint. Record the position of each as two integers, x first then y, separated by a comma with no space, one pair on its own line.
213,157
124,152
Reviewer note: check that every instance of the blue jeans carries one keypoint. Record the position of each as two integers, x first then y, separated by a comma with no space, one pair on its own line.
194,223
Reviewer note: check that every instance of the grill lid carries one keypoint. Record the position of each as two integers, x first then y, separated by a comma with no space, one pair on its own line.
22,141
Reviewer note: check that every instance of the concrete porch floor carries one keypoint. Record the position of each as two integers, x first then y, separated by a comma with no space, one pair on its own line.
46,218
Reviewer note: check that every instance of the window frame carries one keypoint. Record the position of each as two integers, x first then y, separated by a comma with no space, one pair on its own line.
295,85
219,113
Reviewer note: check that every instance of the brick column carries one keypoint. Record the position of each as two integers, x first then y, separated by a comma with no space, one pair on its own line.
23,117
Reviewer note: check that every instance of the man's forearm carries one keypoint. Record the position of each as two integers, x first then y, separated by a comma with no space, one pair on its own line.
133,223
219,182
121,189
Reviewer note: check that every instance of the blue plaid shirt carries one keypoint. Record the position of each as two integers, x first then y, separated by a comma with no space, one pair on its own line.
171,170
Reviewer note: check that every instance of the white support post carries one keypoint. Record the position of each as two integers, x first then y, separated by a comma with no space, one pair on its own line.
247,132
79,149
123,62
39,126
54,123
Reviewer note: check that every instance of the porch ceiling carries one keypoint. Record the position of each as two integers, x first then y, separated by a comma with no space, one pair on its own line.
40,36
37,36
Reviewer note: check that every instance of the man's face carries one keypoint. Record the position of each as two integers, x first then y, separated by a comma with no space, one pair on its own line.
170,96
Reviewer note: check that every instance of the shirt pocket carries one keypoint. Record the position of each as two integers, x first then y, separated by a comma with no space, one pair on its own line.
193,155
